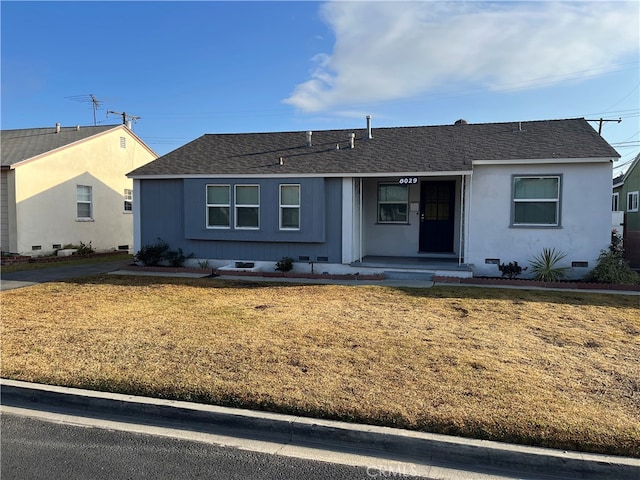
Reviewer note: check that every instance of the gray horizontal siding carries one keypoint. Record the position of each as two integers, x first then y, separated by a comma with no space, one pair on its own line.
175,210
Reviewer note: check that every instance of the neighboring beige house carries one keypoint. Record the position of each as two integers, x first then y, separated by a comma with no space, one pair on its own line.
66,185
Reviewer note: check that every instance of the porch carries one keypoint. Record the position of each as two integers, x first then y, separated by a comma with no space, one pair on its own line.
418,267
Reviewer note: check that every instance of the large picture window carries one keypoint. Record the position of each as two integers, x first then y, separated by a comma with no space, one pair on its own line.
536,201
218,206
247,206
84,202
393,203
289,207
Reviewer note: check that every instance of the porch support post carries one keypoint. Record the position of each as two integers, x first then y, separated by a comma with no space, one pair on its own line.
137,229
347,220
461,243
467,215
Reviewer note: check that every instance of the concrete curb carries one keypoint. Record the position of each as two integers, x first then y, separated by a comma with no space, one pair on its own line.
381,442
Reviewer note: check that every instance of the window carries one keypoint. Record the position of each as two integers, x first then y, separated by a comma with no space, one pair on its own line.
83,201
632,202
393,203
128,200
289,207
218,206
247,206
536,201
615,202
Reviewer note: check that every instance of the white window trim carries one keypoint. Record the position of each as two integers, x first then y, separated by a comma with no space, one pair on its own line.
207,205
282,206
615,202
236,206
389,222
89,202
535,200
633,200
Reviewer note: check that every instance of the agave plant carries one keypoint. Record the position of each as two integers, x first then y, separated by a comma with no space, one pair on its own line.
544,266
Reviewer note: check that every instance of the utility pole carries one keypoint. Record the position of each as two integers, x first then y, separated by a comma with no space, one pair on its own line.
602,120
125,116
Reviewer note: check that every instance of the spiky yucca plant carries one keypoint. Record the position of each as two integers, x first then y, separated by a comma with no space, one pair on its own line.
544,266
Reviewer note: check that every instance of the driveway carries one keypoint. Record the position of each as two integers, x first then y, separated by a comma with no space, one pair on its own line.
26,278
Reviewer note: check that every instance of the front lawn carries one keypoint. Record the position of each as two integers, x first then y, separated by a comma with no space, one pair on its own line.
555,369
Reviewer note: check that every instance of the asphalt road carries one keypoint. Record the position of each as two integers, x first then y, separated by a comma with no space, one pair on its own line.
52,274
37,449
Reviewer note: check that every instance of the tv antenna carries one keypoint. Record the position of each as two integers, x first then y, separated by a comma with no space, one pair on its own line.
125,116
88,98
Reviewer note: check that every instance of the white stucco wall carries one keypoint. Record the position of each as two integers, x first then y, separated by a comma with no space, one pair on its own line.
45,193
585,217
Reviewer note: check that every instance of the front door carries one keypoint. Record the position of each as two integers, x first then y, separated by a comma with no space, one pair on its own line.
437,214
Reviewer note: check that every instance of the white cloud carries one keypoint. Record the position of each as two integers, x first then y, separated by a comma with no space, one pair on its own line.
394,50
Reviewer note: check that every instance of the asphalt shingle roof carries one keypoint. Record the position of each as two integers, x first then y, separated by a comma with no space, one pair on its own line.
23,144
445,148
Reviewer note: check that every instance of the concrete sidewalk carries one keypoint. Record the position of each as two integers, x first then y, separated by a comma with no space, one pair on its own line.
469,455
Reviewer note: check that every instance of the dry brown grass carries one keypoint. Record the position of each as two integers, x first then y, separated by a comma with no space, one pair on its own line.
556,369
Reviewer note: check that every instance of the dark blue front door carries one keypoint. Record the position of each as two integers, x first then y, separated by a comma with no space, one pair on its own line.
437,214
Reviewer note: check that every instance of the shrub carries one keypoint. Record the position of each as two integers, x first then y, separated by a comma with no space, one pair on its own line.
176,257
85,249
152,255
612,268
511,269
544,266
285,264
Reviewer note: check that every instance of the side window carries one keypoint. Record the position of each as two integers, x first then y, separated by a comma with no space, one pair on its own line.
84,202
615,202
289,207
247,206
393,203
536,201
128,200
632,202
218,206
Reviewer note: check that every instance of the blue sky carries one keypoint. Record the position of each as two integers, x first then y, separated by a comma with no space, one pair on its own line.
190,68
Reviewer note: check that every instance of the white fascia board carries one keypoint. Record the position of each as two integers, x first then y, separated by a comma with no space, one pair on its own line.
304,175
543,161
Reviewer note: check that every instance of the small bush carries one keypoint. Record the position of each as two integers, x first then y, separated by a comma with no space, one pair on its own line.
511,269
285,264
544,266
612,268
152,255
85,249
176,258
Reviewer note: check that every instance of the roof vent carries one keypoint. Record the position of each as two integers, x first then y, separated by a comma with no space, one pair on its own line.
369,134
77,127
57,127
461,121
352,140
309,133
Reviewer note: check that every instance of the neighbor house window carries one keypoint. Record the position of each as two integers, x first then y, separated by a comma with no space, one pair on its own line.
632,202
536,201
247,206
128,200
289,207
218,206
615,202
393,203
84,207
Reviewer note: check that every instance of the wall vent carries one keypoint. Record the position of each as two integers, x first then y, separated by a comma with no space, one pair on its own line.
56,246
36,247
123,247
322,259
492,261
580,264
303,258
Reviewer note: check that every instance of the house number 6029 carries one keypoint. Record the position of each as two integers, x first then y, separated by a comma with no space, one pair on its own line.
406,181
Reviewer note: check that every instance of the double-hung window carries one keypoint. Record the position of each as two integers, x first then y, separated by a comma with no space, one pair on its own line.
289,207
128,200
615,202
218,206
84,202
247,206
393,203
632,202
536,201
